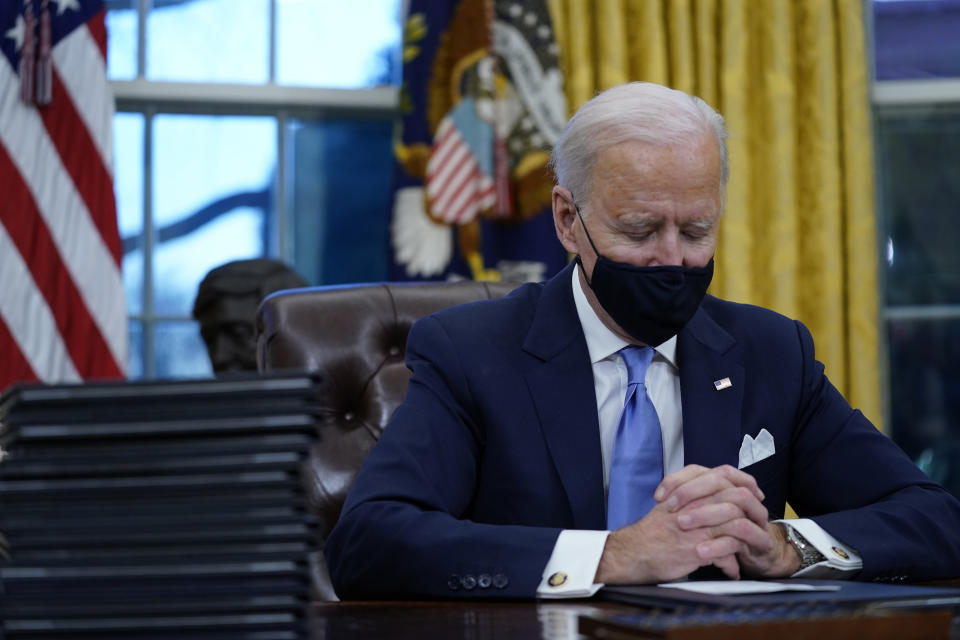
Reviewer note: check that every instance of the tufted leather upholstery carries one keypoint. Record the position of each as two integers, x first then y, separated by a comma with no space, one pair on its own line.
355,336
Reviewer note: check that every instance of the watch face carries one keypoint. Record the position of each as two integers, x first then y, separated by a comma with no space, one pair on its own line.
808,554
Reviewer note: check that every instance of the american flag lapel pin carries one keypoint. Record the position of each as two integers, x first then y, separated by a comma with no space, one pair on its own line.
722,383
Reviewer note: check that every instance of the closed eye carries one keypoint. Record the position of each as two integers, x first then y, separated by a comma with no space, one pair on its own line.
640,236
697,231
638,232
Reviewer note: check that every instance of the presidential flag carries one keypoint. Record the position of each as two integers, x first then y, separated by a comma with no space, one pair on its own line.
62,312
481,105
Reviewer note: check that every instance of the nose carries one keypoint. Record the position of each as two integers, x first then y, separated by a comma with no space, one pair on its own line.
667,251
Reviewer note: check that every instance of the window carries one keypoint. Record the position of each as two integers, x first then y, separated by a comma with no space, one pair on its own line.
917,126
246,128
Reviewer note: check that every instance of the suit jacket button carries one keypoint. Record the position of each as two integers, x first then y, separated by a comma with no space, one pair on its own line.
484,581
454,582
500,581
468,582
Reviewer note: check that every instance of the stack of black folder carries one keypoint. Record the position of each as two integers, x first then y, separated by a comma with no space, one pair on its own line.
156,510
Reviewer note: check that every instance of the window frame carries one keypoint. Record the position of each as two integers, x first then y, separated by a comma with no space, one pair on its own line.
892,97
282,102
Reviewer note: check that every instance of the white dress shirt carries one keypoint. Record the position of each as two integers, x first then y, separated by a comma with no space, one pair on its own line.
576,554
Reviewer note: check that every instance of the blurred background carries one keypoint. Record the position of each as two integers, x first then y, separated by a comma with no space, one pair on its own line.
266,128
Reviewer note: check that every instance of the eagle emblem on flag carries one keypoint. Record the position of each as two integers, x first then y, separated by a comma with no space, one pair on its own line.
482,104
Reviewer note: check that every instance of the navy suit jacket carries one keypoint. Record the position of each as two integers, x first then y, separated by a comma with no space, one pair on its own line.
496,449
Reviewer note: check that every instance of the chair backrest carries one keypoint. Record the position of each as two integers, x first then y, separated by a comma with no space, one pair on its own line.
355,337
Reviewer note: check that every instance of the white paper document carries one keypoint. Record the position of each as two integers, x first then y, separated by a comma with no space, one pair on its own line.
744,587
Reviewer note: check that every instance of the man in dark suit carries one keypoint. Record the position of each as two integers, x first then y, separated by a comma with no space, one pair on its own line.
617,425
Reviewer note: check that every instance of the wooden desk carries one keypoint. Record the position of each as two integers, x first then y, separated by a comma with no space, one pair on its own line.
553,620
546,620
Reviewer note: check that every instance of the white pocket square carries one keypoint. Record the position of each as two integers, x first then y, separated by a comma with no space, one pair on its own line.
754,450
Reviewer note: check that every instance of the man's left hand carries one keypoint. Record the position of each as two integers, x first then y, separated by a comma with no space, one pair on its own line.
706,497
780,561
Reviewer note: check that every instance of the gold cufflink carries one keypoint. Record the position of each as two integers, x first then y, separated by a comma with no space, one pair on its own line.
557,579
840,552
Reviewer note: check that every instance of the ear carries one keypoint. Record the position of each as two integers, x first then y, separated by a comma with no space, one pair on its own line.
564,218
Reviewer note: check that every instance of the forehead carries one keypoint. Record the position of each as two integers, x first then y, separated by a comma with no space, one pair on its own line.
681,175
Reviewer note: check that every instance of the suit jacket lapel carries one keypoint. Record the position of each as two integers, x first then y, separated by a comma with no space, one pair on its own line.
561,384
711,417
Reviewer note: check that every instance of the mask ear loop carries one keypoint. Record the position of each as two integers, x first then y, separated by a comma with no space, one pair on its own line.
592,246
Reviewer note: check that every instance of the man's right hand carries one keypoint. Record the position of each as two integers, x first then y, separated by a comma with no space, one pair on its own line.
705,516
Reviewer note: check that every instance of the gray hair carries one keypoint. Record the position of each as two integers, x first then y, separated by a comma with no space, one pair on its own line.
637,111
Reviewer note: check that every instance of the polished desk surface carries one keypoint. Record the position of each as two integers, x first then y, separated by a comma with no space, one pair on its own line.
549,620
470,620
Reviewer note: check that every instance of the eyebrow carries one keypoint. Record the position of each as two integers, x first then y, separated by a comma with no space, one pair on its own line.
703,225
633,223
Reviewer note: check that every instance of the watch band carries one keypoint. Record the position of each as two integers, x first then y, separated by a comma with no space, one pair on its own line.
809,555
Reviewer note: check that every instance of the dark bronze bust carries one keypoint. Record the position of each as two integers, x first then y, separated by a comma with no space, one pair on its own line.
226,308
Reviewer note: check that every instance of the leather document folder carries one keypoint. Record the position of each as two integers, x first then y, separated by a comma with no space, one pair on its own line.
854,611
850,593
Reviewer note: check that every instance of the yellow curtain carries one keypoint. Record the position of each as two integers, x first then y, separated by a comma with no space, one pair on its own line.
791,79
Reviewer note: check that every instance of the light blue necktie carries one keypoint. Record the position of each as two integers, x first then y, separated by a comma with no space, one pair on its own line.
637,465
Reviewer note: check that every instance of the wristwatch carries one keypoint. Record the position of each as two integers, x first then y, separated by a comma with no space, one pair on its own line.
809,555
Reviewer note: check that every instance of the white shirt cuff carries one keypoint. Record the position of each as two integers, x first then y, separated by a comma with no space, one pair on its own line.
840,561
573,564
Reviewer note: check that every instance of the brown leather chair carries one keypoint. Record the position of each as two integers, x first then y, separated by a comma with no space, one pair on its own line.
355,336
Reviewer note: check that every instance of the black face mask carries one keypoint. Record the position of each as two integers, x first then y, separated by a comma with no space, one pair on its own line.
649,303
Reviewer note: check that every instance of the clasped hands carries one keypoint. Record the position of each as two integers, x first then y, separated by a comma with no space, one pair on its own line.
702,517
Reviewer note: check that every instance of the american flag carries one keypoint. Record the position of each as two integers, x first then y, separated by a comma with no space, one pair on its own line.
458,187
62,311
